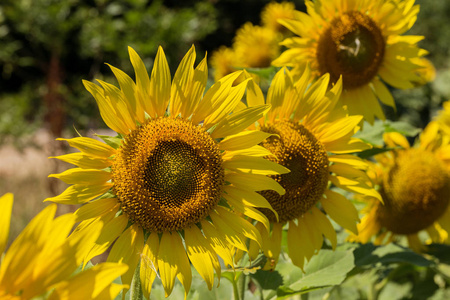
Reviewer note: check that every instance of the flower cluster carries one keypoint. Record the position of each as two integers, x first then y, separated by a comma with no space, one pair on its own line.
211,179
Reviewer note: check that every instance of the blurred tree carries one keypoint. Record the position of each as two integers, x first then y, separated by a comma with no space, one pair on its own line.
51,45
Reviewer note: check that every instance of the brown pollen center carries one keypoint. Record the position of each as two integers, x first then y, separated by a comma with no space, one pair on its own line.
168,174
416,192
298,150
352,46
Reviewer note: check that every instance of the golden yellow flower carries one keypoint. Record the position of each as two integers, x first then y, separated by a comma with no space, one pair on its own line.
256,46
361,41
41,260
414,182
165,178
275,11
312,137
224,62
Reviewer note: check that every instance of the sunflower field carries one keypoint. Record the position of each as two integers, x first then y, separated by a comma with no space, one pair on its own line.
224,149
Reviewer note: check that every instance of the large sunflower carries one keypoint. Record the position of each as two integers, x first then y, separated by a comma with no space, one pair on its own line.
361,41
164,179
312,137
41,260
414,183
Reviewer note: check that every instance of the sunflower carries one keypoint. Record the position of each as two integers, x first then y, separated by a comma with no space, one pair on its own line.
312,137
274,11
361,41
256,46
414,182
41,261
224,62
162,186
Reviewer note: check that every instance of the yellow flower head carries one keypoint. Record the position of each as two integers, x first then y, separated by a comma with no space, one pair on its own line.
165,178
275,11
224,62
42,259
312,137
361,41
414,183
256,46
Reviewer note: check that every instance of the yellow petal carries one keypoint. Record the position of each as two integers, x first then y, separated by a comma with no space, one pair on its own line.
201,255
247,198
91,283
354,185
90,146
227,106
171,251
339,129
228,233
254,182
216,95
84,161
238,121
127,249
395,139
111,231
197,88
107,111
341,210
83,176
128,88
238,224
96,208
324,225
149,264
142,88
254,165
218,243
297,245
243,140
6,202
79,193
181,84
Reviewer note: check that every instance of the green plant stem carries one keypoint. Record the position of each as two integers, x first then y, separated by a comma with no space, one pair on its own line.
235,290
135,288
242,281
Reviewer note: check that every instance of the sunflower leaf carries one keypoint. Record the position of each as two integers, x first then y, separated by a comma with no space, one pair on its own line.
326,269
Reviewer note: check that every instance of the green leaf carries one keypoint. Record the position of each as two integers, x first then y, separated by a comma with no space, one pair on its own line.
268,280
373,134
112,141
368,255
326,269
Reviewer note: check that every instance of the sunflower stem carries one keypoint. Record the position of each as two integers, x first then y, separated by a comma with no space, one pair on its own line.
242,280
135,288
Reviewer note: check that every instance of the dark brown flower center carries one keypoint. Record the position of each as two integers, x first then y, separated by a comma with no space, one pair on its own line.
298,150
168,174
352,46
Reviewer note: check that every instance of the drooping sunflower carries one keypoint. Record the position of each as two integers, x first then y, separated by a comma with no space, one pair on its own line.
414,182
41,260
361,41
162,186
312,137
